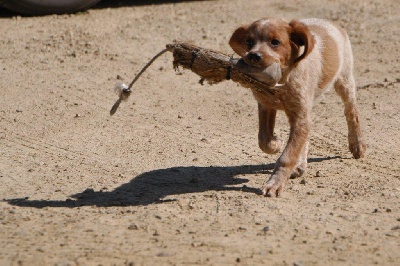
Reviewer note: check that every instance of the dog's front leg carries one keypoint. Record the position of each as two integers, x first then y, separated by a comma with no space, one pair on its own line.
267,141
300,125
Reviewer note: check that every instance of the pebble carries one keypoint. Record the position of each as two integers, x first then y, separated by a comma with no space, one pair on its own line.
88,191
133,227
197,244
298,263
318,174
266,229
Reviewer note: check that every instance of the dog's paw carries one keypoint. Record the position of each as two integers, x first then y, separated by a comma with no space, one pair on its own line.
274,186
270,147
357,148
297,172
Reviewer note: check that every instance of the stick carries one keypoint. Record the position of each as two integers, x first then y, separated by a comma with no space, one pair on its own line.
214,67
124,91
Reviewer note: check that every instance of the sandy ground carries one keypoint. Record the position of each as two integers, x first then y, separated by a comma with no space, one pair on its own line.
174,176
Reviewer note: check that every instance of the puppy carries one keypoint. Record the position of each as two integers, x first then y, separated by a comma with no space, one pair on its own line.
314,55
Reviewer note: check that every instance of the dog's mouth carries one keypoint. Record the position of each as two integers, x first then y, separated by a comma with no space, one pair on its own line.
269,74
250,63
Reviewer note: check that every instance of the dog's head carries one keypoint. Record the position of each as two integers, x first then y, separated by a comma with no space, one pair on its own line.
267,41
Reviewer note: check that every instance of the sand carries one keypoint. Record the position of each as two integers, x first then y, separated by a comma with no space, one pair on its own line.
174,177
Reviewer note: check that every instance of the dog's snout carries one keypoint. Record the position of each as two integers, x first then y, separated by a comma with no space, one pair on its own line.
254,56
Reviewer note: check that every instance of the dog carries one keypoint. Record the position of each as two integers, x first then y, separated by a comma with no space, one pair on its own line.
314,55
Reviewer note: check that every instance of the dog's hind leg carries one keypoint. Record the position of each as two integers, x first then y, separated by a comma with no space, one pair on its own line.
346,88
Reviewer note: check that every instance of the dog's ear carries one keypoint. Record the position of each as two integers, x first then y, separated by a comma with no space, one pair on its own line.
301,36
238,40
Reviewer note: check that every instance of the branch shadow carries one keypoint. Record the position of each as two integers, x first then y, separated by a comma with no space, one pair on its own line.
153,186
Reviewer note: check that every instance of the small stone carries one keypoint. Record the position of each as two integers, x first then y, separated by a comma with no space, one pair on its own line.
133,227
88,191
266,229
197,244
303,182
163,254
298,263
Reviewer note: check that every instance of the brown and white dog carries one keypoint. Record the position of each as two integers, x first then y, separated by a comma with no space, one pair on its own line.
314,55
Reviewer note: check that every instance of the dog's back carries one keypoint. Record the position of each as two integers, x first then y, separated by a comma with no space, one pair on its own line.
331,56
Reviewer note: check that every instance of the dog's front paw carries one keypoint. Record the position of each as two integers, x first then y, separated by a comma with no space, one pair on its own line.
357,148
297,172
274,186
271,146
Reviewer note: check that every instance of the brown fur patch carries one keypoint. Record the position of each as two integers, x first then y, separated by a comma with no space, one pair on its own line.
330,56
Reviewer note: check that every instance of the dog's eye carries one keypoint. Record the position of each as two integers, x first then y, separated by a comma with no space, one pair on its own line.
250,43
275,42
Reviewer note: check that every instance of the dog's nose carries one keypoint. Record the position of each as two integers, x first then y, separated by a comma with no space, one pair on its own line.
254,56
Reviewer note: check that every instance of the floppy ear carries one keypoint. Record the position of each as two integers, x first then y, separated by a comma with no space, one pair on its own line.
301,36
238,40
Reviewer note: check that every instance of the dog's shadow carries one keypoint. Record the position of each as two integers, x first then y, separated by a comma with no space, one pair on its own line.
154,186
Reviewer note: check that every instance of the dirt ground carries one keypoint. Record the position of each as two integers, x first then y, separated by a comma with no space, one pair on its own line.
174,177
